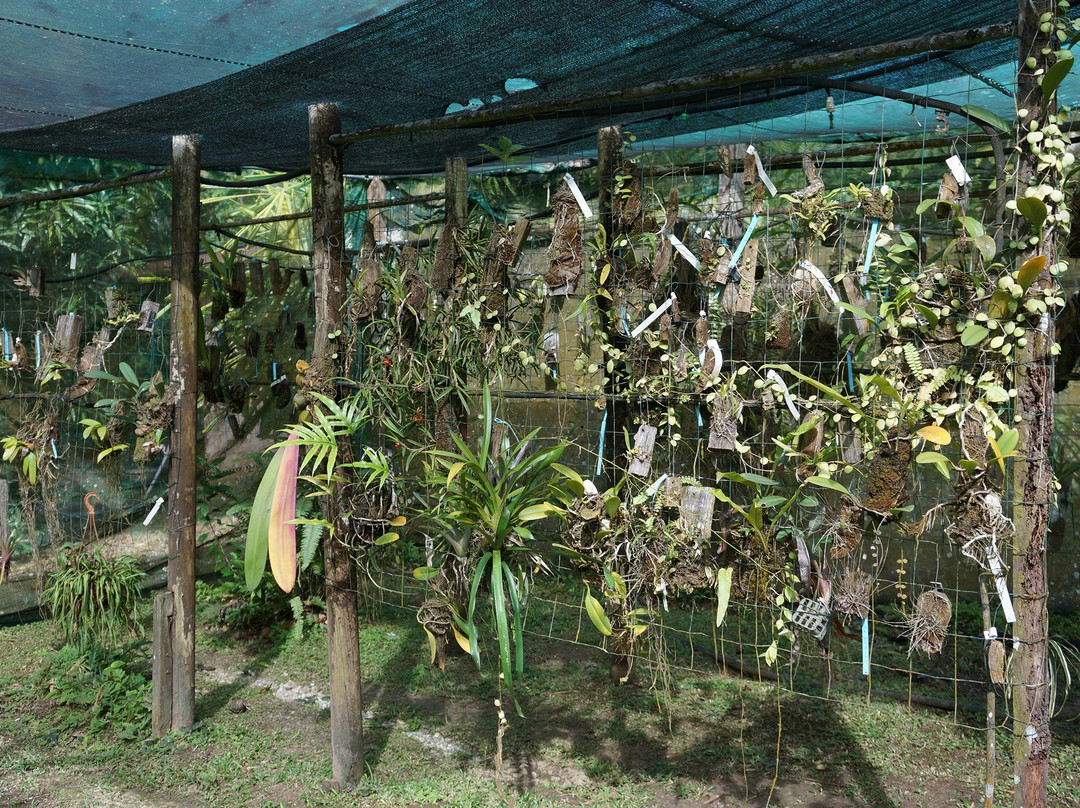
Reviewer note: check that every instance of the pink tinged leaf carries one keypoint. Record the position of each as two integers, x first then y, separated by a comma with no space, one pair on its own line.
281,540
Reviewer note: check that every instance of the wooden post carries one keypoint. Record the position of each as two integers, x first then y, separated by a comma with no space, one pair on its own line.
1032,475
609,158
183,368
161,698
342,623
450,415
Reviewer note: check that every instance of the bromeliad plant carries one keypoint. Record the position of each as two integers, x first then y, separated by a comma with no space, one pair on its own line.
493,498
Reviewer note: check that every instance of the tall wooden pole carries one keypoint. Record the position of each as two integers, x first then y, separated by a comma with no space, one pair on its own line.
609,159
1032,475
183,366
342,622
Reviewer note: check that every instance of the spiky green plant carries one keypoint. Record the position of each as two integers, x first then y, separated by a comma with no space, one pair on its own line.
493,497
93,598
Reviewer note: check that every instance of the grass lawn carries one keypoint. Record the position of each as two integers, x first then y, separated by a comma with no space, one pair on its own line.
262,735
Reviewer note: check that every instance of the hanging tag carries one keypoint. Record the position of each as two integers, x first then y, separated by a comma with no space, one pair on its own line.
772,374
54,453
653,317
998,570
7,346
761,170
652,489
866,646
957,168
747,233
153,512
817,273
37,347
600,451
718,356
875,227
684,251
74,260
586,211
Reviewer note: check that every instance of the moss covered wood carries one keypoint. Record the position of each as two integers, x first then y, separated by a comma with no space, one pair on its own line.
342,626
1032,475
183,444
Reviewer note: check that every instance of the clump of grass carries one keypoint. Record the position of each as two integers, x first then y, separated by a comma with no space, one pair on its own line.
93,598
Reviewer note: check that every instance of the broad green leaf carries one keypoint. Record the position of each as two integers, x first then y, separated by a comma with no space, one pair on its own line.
397,521
1055,74
772,501
1030,271
596,614
924,206
425,573
927,313
935,434
885,386
750,478
931,457
615,582
386,538
723,593
611,505
255,548
987,246
455,469
973,335
463,641
825,482
129,374
973,227
540,511
281,531
998,306
432,644
1032,209
986,116
1008,441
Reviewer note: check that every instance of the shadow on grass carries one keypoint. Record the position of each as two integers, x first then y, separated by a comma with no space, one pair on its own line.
580,729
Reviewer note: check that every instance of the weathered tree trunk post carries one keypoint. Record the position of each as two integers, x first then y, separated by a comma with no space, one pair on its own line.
450,415
183,366
342,622
609,158
1032,476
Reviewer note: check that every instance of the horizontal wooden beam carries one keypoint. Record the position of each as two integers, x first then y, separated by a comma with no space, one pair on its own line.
306,214
85,189
520,113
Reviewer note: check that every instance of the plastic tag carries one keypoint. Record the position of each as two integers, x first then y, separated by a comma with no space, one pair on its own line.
718,356
652,489
957,169
684,251
652,317
586,211
761,170
153,512
817,273
998,570
772,374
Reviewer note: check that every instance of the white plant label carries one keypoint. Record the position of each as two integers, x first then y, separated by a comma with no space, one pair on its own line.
718,356
652,489
153,512
774,376
817,273
571,183
684,251
958,170
761,170
998,570
653,317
